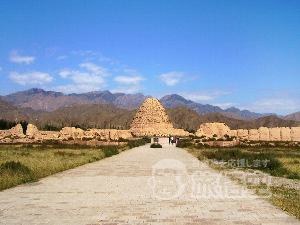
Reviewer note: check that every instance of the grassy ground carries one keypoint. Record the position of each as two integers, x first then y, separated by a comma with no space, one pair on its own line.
286,199
277,161
27,163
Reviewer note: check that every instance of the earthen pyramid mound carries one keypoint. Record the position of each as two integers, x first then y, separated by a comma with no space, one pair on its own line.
152,119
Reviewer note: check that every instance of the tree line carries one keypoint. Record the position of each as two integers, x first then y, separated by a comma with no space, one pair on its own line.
6,125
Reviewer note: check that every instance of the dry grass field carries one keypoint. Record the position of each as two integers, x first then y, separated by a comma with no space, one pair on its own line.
282,163
22,163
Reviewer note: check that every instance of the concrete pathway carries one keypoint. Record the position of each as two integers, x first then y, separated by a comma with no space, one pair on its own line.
139,186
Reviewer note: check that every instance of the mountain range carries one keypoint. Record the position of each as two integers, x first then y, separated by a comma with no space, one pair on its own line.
38,99
102,109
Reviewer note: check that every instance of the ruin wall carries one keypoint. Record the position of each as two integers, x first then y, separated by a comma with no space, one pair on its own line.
218,130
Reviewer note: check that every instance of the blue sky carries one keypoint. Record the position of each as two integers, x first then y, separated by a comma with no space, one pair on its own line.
244,54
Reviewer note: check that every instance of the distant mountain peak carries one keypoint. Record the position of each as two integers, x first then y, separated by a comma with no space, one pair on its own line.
34,91
175,97
174,100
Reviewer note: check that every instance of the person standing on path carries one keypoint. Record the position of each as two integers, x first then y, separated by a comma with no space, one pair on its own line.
176,140
169,139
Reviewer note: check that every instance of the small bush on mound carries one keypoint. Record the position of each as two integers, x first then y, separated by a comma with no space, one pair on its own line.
155,146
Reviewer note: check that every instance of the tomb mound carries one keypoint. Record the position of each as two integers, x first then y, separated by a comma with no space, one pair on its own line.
152,119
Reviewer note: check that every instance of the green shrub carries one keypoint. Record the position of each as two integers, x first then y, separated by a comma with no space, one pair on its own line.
294,176
14,167
122,139
265,161
199,146
223,154
184,143
110,151
155,145
63,153
136,143
274,164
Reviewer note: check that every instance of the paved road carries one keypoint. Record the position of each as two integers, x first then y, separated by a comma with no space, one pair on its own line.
139,186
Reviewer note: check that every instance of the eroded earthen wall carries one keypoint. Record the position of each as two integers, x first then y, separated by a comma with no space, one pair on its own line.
261,134
275,134
264,134
285,133
242,133
210,130
253,135
295,133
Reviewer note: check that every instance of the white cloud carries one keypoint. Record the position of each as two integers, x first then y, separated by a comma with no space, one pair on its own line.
84,78
97,70
62,57
171,78
50,51
87,80
104,59
80,77
128,90
82,53
77,88
204,95
198,97
64,73
131,84
14,57
132,72
281,102
226,105
271,105
128,80
34,77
